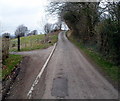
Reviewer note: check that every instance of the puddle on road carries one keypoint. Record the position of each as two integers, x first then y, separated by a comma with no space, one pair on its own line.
60,87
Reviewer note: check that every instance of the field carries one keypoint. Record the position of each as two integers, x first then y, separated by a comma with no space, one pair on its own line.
34,42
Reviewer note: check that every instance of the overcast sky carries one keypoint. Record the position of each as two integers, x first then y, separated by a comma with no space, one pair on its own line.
31,13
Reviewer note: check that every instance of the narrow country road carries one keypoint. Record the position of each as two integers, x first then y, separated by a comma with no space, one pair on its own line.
71,76
68,75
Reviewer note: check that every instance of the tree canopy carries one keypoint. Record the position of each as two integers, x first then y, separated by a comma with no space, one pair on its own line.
96,23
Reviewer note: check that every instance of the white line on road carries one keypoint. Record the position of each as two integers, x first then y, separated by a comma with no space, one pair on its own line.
29,94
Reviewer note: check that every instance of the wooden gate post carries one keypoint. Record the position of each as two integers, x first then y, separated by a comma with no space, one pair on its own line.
5,47
18,43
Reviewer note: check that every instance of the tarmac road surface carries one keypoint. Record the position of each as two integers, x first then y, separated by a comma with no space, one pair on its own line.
68,75
71,76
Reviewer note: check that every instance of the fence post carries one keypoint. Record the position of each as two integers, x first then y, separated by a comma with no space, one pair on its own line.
18,43
5,47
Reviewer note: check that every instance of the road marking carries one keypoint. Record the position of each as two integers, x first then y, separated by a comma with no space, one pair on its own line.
29,94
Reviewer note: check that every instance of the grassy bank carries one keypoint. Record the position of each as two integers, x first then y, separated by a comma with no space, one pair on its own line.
33,42
109,68
10,63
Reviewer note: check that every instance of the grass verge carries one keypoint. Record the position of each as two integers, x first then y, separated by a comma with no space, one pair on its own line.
10,63
109,68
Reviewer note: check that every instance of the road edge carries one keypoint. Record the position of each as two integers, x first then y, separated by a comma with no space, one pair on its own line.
97,67
29,94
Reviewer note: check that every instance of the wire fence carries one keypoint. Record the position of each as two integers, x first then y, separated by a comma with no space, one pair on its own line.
29,42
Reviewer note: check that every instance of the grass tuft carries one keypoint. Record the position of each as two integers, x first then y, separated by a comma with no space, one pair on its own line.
10,63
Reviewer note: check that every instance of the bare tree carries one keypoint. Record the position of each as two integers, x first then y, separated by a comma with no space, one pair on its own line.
48,28
6,35
21,30
59,24
34,32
